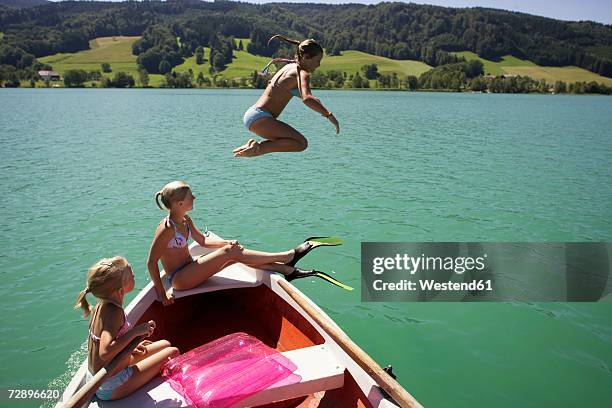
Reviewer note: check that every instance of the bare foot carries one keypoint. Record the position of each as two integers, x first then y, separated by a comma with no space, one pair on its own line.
251,150
244,146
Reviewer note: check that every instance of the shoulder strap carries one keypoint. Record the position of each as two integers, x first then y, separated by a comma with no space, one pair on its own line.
265,70
187,222
171,223
167,221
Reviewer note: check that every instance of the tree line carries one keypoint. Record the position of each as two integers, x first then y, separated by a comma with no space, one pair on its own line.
456,77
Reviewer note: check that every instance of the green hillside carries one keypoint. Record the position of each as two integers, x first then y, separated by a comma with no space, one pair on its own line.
352,61
114,50
117,51
509,65
242,66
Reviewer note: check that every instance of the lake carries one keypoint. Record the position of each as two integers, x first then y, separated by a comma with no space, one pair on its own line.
80,168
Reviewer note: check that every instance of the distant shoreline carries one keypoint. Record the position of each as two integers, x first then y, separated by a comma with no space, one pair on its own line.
320,89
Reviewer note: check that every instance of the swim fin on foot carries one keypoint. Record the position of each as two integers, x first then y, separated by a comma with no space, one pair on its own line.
325,241
311,243
301,273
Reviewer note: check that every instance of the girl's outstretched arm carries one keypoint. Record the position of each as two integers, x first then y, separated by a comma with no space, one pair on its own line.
312,102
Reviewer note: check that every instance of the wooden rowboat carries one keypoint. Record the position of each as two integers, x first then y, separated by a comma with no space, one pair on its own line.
266,306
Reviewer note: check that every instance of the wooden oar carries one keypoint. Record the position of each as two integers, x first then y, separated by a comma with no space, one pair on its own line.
384,380
87,391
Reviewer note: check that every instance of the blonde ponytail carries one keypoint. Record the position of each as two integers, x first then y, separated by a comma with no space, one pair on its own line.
307,48
159,195
82,303
294,42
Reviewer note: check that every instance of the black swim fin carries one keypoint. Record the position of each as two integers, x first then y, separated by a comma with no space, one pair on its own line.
301,273
311,243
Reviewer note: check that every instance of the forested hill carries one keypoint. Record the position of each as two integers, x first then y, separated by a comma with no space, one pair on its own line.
395,30
22,3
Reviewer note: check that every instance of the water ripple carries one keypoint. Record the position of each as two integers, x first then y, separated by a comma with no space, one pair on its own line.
78,182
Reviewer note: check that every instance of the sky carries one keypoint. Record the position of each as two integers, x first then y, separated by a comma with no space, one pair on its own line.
569,10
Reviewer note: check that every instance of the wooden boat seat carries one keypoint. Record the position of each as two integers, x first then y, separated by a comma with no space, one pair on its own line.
318,368
319,371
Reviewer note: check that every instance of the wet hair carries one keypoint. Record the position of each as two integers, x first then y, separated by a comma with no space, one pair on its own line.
104,277
174,191
308,48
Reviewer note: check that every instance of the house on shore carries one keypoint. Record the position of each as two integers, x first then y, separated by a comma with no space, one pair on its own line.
49,75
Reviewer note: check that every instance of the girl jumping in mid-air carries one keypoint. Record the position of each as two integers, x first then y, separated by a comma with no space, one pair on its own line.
110,332
170,245
291,80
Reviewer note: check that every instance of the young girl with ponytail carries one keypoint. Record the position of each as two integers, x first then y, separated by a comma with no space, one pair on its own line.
170,245
110,332
291,80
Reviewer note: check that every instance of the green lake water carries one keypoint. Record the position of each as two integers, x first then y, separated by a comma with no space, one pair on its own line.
79,169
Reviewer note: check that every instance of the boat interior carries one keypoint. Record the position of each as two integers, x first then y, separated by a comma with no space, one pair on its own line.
202,317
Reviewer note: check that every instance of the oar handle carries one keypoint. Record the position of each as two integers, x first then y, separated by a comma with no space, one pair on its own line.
86,392
384,380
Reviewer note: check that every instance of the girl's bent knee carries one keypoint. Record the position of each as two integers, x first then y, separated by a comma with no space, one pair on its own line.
232,250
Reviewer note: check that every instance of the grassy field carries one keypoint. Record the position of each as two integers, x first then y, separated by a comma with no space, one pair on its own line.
509,65
243,65
552,74
117,51
352,61
114,50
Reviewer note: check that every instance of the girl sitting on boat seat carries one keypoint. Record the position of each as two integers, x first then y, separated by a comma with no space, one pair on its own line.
110,332
291,80
170,245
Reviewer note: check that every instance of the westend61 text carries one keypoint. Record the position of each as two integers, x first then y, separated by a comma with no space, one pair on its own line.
413,264
428,285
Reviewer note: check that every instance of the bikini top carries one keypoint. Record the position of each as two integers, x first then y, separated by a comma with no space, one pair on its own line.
122,330
178,241
295,91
